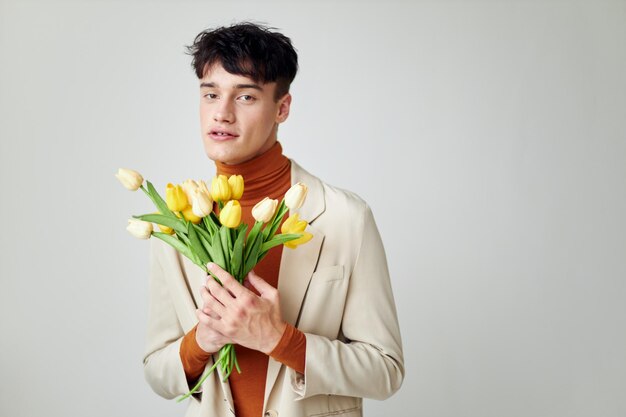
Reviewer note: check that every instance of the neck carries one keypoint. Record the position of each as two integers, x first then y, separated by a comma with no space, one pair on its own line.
263,175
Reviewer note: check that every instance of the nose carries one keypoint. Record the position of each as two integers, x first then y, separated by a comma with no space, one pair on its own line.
224,113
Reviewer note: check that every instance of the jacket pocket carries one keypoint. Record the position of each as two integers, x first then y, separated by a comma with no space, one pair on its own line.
322,308
347,412
328,274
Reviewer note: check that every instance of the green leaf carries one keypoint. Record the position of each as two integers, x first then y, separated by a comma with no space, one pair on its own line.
226,245
215,220
210,226
237,259
218,254
252,258
158,201
173,223
207,246
279,240
182,236
172,241
202,232
252,237
196,245
180,247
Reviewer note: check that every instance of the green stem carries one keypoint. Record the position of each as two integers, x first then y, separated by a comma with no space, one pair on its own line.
198,384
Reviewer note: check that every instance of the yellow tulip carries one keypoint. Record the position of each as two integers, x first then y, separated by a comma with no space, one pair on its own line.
162,228
139,228
165,229
201,203
175,197
189,215
220,190
131,180
294,197
236,186
293,224
264,210
230,215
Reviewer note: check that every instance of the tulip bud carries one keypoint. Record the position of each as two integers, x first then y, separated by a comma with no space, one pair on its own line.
293,224
188,187
264,210
230,215
201,203
295,196
175,197
130,179
139,228
236,186
189,215
220,190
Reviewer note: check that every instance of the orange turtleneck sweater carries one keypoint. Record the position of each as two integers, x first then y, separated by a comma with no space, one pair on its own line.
267,175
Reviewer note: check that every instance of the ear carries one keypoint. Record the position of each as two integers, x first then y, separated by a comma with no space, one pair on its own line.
283,108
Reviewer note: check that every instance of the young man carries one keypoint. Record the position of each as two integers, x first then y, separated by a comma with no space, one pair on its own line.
315,328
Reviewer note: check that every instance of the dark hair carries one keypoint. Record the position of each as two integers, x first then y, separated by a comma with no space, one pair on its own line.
247,49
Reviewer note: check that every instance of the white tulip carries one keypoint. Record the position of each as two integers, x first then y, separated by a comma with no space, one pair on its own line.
188,187
130,179
139,228
264,210
202,186
294,198
201,203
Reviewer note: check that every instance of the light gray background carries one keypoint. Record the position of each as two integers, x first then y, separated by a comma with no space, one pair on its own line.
488,137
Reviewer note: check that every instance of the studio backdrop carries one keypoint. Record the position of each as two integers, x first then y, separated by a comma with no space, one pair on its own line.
489,139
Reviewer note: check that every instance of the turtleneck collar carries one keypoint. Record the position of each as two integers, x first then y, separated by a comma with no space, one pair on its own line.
263,176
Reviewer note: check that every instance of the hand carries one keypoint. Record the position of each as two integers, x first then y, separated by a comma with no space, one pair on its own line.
207,338
251,320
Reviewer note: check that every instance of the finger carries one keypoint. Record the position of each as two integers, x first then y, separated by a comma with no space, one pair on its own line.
202,316
211,313
246,283
209,321
226,279
259,283
211,303
218,292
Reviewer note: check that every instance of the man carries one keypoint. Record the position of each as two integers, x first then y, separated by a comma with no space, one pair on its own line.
314,328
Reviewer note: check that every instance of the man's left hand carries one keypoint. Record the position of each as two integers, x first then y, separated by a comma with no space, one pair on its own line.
251,320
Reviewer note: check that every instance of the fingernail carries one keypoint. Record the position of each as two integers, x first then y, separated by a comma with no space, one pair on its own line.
210,265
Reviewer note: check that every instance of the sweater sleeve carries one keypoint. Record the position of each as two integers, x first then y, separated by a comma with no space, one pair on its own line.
291,349
194,359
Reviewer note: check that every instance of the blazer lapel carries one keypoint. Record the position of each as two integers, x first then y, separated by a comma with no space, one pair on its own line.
297,265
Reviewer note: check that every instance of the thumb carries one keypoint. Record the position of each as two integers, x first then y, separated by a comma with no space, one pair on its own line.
258,283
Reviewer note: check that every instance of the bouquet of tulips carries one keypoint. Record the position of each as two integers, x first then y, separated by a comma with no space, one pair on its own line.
189,223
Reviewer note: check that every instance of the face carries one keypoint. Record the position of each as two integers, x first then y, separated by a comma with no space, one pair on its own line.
239,118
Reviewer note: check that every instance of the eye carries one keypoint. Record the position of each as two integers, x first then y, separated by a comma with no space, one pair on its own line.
246,97
210,96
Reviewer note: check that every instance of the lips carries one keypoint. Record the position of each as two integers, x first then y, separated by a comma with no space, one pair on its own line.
222,134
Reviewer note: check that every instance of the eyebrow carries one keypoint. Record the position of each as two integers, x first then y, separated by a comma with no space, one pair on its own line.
237,86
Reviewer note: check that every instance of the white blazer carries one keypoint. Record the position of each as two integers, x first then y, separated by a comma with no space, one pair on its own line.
335,289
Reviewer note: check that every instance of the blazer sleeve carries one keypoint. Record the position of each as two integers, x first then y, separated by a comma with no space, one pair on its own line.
369,363
163,368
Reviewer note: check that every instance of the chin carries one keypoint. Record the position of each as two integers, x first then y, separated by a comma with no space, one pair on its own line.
224,157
